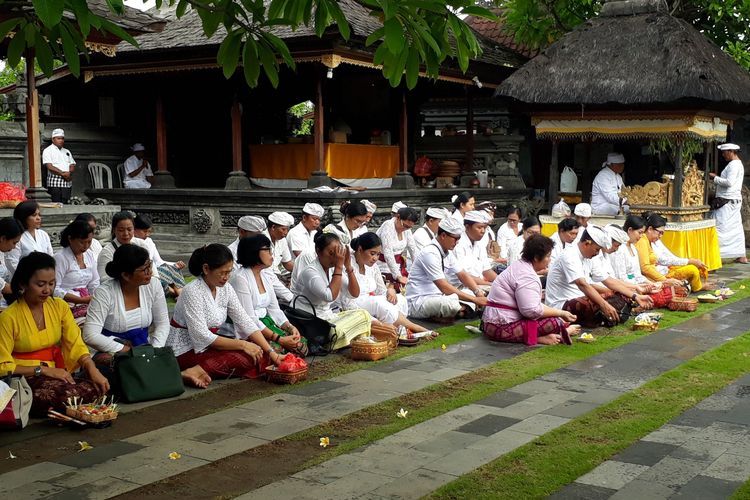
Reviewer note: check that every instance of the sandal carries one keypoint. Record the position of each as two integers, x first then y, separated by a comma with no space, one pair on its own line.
566,338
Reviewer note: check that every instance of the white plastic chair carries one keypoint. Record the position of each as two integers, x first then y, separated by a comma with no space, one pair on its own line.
97,171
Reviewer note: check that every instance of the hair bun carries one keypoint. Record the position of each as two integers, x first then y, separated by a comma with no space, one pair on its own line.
112,270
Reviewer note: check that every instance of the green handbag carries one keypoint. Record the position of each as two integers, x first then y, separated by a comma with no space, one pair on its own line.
145,373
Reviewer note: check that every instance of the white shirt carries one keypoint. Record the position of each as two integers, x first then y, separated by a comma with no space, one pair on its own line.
233,248
199,311
515,248
108,252
422,237
458,216
107,311
504,237
60,158
627,265
260,304
281,254
602,261
154,254
393,246
95,247
299,239
312,282
370,283
431,265
605,192
69,276
558,249
729,183
563,273
132,164
28,244
343,232
665,257
472,255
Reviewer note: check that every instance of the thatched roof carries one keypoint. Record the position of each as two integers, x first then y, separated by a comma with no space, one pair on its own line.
631,57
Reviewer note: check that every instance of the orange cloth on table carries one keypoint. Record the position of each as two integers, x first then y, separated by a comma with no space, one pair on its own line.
648,261
342,161
18,333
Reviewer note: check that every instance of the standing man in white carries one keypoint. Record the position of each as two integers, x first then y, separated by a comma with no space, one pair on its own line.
727,205
605,192
60,166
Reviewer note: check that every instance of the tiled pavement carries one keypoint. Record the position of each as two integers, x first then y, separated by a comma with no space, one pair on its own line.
122,466
418,460
405,465
703,454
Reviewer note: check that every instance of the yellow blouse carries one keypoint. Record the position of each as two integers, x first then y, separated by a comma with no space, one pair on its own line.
648,260
18,333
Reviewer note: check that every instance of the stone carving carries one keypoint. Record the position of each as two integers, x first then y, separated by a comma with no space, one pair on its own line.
169,217
202,221
229,220
530,206
653,193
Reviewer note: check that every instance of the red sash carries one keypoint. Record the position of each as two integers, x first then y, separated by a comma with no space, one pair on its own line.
531,325
46,355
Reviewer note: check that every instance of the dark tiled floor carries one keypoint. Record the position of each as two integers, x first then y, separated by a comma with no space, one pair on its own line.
707,488
503,399
487,425
317,388
645,453
99,454
578,491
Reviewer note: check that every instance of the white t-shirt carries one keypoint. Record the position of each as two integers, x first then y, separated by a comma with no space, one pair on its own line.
571,265
299,239
131,165
60,158
430,265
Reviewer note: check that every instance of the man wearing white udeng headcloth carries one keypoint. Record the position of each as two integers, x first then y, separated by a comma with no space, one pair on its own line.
605,191
728,205
301,237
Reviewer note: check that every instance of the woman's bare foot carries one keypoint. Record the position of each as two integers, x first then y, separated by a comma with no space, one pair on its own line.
741,260
177,291
196,376
550,339
574,330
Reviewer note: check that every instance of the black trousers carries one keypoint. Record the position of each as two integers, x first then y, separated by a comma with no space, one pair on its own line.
61,195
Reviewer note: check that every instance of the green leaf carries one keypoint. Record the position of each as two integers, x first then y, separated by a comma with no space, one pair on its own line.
380,54
182,6
82,13
229,53
427,37
44,55
412,68
112,28
268,59
276,9
375,36
117,6
29,33
322,19
49,11
70,50
397,70
211,21
340,18
281,48
394,35
15,49
474,10
8,26
250,63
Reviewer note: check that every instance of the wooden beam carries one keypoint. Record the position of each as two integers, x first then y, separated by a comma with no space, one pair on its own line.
236,113
678,175
33,143
469,162
706,169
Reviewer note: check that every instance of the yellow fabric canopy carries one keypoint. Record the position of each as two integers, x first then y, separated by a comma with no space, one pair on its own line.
342,161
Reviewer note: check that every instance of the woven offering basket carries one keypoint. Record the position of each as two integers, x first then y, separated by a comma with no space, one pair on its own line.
683,304
385,333
278,377
652,327
369,351
91,418
586,340
9,203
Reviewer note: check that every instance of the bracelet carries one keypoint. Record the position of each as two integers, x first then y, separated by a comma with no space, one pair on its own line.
337,274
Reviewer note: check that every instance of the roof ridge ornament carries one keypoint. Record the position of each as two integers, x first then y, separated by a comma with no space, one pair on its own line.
614,8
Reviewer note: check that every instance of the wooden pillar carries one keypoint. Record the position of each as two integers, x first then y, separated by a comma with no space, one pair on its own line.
34,190
706,169
469,164
677,183
319,177
403,179
554,174
237,179
162,177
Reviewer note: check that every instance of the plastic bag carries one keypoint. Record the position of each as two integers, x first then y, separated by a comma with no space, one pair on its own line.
292,363
568,181
12,192
560,209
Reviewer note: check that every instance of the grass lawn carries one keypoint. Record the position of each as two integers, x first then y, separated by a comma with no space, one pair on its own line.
378,421
559,457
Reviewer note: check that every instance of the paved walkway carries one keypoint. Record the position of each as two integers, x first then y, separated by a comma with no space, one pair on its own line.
703,454
418,460
121,466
